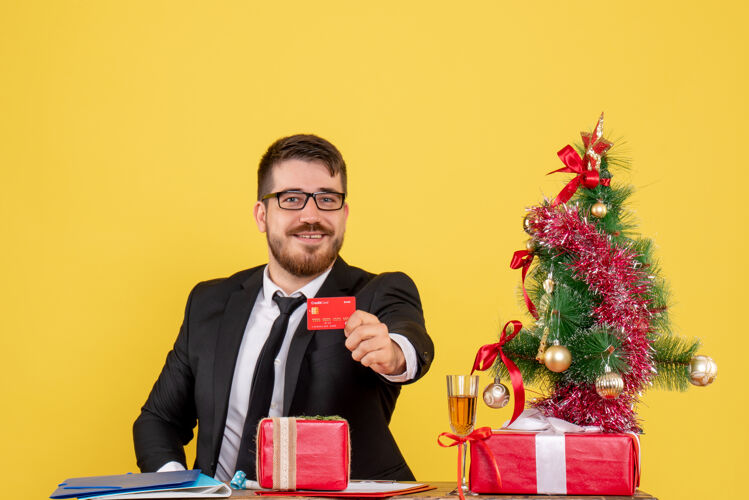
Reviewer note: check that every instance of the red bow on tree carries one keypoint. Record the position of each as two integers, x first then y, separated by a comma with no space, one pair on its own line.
586,168
523,259
488,353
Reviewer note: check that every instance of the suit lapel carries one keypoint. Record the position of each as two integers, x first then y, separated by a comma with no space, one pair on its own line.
334,285
231,331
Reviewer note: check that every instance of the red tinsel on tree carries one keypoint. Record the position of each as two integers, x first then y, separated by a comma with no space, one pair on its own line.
614,275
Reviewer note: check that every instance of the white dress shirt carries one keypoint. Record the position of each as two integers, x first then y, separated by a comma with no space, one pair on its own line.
264,313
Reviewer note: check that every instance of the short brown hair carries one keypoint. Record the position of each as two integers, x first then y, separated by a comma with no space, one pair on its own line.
305,147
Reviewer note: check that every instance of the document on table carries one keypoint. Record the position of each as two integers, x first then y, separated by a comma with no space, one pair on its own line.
204,487
361,489
176,484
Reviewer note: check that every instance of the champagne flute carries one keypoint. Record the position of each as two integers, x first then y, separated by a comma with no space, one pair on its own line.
462,393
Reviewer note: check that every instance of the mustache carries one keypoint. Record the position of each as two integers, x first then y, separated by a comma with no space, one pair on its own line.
313,228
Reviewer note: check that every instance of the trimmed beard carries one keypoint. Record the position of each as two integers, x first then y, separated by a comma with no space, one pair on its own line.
309,264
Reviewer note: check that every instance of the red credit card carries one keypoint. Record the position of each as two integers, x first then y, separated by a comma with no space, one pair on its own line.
329,313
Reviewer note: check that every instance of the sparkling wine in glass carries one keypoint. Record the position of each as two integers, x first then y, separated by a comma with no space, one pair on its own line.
462,393
462,414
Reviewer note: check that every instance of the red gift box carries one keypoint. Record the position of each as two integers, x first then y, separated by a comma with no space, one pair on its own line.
295,453
568,464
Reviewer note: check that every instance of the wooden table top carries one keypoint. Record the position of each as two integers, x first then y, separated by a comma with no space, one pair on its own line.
444,488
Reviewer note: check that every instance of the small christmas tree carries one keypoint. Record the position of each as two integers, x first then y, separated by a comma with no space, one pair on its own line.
601,333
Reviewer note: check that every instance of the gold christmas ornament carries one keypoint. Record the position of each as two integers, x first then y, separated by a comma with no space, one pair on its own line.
702,370
530,245
542,345
496,394
546,323
557,358
599,210
609,385
527,224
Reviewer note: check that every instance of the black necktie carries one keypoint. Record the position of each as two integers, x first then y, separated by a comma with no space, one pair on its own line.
263,382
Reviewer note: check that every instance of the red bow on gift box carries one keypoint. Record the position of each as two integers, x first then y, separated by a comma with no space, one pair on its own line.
477,437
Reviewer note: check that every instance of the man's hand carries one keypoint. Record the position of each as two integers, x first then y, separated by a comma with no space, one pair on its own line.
370,344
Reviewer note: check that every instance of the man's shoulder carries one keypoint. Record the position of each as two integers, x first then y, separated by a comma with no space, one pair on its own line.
220,287
392,278
367,280
354,274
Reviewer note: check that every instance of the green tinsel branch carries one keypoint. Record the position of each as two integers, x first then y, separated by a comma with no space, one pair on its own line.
618,222
671,356
522,351
591,351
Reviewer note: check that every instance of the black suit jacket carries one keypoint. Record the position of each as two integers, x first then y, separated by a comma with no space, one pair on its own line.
321,376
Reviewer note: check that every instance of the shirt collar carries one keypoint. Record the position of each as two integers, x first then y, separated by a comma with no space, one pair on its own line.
309,290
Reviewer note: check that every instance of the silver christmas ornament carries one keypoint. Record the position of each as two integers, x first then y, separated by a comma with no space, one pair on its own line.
496,394
702,370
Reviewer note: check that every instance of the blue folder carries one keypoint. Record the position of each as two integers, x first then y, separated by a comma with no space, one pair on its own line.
124,483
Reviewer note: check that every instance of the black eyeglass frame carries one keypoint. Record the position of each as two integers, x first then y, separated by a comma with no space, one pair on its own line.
306,199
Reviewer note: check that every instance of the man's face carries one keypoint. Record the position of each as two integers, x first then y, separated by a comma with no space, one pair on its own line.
303,242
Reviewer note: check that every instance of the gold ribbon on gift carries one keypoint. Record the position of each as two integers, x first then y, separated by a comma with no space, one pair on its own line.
284,453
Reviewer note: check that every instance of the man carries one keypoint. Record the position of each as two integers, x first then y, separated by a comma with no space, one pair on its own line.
244,351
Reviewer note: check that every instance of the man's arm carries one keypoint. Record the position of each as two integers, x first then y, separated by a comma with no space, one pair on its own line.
411,362
371,345
167,419
393,326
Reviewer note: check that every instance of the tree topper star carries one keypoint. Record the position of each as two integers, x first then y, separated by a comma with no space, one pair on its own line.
595,146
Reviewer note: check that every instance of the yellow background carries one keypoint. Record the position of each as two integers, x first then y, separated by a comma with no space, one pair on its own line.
129,139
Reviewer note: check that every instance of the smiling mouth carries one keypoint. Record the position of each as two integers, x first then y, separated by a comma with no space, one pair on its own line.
310,233
310,238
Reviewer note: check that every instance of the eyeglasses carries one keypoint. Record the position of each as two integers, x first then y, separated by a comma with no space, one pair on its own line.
297,200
